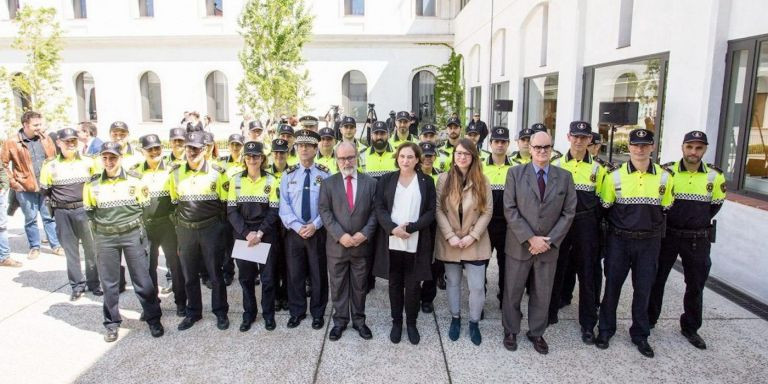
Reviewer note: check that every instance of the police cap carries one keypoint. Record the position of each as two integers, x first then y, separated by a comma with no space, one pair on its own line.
580,128
690,137
348,120
500,133
254,125
279,145
428,128
308,121
427,148
110,147
453,121
379,126
253,148
597,139
176,133
150,141
66,134
525,133
118,125
403,115
538,127
640,136
194,139
236,138
285,129
327,132
305,136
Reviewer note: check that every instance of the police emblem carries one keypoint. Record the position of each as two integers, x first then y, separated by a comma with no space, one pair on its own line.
696,134
213,186
641,133
500,131
582,126
225,186
722,187
710,187
593,178
318,180
145,191
662,189
132,191
267,189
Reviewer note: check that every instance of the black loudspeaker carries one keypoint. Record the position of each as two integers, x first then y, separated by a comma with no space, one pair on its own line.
619,113
502,105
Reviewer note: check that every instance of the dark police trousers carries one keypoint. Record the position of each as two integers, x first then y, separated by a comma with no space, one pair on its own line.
71,228
429,287
694,253
306,256
623,254
133,245
280,272
203,248
497,231
161,234
247,278
580,250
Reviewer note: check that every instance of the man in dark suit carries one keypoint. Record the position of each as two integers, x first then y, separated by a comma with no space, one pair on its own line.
87,135
346,208
539,205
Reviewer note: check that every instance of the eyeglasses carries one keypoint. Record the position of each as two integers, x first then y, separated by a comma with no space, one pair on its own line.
462,154
346,159
541,148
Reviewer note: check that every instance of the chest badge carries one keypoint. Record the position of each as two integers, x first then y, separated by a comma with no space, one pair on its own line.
132,191
662,189
710,187
145,191
225,186
593,178
318,180
213,186
267,189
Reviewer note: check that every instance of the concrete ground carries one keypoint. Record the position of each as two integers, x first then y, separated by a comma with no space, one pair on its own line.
46,339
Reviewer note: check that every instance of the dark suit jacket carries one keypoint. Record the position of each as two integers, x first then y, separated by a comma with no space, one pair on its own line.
338,220
385,198
527,215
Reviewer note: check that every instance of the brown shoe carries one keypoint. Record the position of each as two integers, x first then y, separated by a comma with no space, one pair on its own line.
510,342
58,251
10,263
34,253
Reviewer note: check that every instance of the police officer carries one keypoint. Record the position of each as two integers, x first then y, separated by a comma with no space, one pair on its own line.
309,122
252,210
594,149
453,131
429,287
402,133
277,166
391,121
233,163
154,172
255,129
473,133
198,189
636,196
305,237
325,154
699,193
286,133
580,248
523,153
378,159
119,133
348,130
61,181
429,135
114,201
211,149
176,138
279,157
495,169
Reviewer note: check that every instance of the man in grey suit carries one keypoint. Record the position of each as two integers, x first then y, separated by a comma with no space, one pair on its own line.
346,208
539,205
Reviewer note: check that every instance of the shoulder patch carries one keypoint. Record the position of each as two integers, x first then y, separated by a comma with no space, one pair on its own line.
173,167
668,170
96,176
291,169
217,168
556,155
716,168
225,186
322,168
135,174
136,166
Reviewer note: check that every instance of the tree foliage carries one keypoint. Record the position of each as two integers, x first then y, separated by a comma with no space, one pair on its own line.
274,33
449,89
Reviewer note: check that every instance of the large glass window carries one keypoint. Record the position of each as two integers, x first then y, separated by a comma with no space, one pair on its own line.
638,80
500,91
214,7
354,7
541,101
354,90
425,7
147,8
151,100
217,99
423,96
79,9
86,97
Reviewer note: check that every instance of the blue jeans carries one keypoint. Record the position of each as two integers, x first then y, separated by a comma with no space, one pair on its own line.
32,203
5,249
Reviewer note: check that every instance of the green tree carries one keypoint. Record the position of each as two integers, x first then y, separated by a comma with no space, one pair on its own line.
39,84
449,89
274,33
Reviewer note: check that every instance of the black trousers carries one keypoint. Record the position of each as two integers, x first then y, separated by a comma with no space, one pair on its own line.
429,288
641,257
403,287
580,250
306,257
227,263
71,228
280,273
247,278
161,235
203,247
497,231
694,253
133,245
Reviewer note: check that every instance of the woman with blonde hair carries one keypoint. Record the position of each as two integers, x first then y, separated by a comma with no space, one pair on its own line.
464,209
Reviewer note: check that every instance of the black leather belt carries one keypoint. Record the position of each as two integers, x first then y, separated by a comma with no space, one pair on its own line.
688,233
637,235
196,224
117,229
76,205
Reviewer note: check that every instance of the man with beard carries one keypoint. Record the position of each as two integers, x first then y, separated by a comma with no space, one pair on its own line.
453,129
402,130
377,160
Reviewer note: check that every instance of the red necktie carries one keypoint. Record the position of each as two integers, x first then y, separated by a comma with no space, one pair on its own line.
350,195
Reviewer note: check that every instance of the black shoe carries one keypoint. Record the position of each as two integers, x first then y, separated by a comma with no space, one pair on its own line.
510,342
156,329
363,331
96,291
441,282
694,339
245,326
318,322
602,341
588,336
294,321
427,307
111,335
269,324
188,322
336,333
222,322
539,344
553,320
644,348
181,310
76,295
413,334
228,280
396,333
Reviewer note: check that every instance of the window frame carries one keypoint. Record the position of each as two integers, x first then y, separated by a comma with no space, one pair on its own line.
83,14
347,101
418,9
504,116
149,118
415,96
151,11
211,94
527,89
347,8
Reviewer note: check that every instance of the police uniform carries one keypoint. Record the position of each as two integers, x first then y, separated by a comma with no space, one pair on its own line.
330,160
309,122
690,231
374,163
299,193
232,165
158,224
278,245
199,196
252,206
636,200
442,158
115,206
61,181
291,157
395,141
170,159
580,248
429,287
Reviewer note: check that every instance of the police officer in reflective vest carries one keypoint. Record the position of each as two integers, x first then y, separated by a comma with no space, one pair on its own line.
453,131
495,169
523,153
114,201
325,153
61,181
473,133
232,164
252,210
636,196
198,190
378,159
402,132
580,248
442,158
699,193
155,175
176,138
286,133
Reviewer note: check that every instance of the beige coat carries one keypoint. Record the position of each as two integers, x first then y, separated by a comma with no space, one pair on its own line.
474,224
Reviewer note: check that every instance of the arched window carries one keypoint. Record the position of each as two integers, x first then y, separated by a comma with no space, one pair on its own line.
217,98
21,99
151,100
354,89
86,97
423,96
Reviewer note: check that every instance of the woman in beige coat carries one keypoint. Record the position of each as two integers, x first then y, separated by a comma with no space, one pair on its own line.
464,208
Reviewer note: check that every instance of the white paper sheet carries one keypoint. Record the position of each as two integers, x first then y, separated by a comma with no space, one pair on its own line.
257,254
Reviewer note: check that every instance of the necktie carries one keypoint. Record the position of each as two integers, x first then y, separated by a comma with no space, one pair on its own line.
542,184
350,194
306,213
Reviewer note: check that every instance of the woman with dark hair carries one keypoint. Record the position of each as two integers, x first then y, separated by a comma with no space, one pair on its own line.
464,209
405,209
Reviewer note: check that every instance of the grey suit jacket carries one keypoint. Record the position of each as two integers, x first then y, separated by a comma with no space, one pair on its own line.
338,220
527,215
